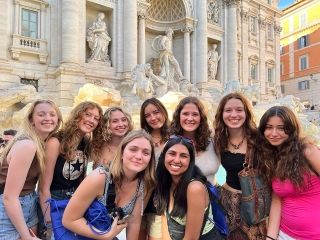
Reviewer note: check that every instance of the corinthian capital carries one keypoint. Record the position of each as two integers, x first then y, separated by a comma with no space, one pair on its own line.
232,3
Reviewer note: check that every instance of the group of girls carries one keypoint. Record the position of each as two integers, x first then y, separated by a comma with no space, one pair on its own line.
160,172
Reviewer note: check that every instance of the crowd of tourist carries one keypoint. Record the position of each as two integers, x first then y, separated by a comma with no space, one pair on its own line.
153,182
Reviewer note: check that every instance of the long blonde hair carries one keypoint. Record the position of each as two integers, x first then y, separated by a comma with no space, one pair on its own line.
28,131
147,175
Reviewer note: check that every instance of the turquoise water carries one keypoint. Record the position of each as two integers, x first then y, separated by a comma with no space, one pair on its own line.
221,175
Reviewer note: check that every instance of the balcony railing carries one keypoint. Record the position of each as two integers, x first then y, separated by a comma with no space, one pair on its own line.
27,45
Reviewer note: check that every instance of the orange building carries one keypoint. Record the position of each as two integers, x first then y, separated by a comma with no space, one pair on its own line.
300,52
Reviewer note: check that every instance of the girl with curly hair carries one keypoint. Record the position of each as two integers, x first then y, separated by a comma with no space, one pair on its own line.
67,154
22,163
235,133
117,124
290,164
132,174
189,120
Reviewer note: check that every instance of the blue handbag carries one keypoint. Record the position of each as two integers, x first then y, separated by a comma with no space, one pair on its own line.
219,216
97,216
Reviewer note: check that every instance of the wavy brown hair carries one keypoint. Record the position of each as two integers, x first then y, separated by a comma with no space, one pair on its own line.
164,130
203,132
286,161
147,175
70,136
220,129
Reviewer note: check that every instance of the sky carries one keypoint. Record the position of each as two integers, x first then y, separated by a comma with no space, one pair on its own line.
285,3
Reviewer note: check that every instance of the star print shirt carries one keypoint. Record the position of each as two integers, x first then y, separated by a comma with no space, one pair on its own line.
68,175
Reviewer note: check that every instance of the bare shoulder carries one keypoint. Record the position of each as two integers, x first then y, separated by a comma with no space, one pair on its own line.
26,145
196,187
53,141
96,179
311,150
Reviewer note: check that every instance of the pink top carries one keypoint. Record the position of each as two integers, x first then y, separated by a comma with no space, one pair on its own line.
300,209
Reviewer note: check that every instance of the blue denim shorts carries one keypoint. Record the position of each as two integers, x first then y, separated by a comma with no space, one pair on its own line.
29,209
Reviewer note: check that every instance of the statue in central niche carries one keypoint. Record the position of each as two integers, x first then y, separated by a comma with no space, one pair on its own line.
170,69
98,40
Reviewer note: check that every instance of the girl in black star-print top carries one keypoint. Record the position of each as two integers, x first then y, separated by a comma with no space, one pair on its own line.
67,154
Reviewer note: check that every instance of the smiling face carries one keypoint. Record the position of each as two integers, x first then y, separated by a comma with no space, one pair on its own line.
136,155
190,118
118,123
177,160
274,131
234,114
44,119
154,117
89,120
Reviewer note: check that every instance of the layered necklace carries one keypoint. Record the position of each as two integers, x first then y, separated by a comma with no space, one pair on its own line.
237,146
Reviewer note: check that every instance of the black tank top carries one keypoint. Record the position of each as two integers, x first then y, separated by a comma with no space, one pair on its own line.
232,163
69,175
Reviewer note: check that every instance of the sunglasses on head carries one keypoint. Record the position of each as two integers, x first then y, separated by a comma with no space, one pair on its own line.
188,140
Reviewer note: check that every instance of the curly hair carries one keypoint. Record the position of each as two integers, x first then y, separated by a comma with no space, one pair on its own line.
220,129
203,132
106,121
164,130
147,175
286,161
70,135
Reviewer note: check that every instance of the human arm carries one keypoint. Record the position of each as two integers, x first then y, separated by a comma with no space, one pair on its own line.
197,201
274,217
52,151
312,154
90,188
19,159
134,222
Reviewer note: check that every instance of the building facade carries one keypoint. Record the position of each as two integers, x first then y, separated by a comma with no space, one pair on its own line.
300,48
50,43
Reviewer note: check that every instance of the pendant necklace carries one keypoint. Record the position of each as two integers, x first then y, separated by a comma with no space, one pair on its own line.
156,141
237,146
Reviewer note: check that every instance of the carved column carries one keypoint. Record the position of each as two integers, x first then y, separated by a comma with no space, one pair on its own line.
42,22
3,30
142,39
130,34
245,32
16,17
232,40
262,54
70,31
277,31
201,43
186,56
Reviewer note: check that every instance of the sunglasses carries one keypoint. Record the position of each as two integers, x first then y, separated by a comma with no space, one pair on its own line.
179,137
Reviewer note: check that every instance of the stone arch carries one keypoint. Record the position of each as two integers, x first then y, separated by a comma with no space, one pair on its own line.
167,10
176,14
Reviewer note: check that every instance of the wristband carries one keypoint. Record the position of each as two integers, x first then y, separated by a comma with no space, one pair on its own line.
270,237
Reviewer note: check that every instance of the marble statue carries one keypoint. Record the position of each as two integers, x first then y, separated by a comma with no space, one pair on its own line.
170,68
98,40
213,61
146,84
